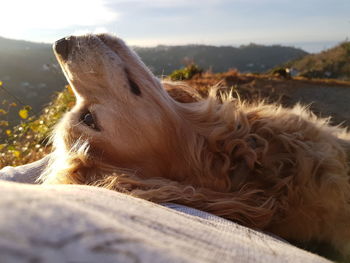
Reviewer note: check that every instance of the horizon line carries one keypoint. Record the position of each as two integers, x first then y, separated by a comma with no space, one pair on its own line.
332,43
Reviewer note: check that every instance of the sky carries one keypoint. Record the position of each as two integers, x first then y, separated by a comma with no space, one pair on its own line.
313,25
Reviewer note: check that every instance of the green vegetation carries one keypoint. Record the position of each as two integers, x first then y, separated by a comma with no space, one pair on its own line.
346,46
29,140
186,73
282,72
332,63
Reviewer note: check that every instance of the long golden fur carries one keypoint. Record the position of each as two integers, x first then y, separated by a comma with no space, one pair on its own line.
280,170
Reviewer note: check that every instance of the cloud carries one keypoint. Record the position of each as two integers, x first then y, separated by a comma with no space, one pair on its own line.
145,22
188,3
20,16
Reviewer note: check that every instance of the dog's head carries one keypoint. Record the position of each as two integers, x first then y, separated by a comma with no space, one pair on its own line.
127,133
124,118
122,110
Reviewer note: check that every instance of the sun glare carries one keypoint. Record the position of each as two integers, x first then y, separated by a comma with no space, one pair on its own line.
20,16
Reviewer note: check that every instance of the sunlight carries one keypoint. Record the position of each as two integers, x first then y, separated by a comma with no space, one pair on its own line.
21,16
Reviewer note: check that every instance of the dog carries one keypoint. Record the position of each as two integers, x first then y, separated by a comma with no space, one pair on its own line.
270,168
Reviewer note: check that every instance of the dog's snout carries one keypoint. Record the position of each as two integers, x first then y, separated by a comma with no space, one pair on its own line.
63,47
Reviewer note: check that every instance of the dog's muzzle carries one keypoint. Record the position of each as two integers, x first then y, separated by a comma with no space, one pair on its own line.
63,46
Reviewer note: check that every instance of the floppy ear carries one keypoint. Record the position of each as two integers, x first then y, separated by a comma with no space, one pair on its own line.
181,92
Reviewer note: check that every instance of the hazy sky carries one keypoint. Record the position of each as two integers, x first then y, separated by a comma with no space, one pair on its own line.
310,24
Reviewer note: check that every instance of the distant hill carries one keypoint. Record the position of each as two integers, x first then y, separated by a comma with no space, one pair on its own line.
30,72
332,63
250,58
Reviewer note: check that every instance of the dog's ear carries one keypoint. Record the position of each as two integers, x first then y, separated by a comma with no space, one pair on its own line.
181,92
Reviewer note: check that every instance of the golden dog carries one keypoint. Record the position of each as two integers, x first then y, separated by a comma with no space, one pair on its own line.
279,170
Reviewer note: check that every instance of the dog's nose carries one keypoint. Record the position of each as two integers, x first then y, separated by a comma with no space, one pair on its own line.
63,47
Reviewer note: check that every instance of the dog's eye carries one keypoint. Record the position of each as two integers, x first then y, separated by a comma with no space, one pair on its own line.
89,120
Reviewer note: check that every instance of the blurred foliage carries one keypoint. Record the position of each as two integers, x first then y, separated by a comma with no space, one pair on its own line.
332,63
282,72
29,140
346,46
186,73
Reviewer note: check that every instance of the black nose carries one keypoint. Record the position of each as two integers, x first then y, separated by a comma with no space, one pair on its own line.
63,47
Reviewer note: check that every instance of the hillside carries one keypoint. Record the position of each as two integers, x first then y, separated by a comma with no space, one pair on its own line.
29,70
332,63
29,73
